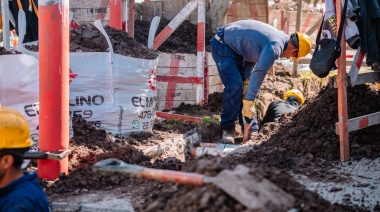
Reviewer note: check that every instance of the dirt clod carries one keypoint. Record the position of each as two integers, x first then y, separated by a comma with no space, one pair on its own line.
3,51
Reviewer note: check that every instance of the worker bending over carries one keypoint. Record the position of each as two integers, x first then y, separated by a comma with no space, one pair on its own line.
244,51
292,100
19,191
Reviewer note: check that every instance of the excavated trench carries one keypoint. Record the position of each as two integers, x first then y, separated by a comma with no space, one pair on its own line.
303,142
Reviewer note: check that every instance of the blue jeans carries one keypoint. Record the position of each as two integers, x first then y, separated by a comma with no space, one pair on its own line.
232,71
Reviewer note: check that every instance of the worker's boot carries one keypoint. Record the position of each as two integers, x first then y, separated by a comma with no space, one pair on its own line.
228,136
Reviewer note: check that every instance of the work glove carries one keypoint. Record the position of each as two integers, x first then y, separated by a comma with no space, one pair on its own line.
245,87
248,108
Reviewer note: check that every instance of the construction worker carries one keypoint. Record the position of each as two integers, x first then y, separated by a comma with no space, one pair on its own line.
244,51
292,100
19,191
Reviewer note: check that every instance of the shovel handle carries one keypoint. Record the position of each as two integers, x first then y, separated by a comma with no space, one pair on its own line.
118,167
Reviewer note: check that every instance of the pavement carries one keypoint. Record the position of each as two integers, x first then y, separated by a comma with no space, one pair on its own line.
362,190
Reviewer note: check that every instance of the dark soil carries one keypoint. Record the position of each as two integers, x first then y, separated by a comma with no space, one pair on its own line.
88,146
183,39
3,51
212,198
87,38
305,141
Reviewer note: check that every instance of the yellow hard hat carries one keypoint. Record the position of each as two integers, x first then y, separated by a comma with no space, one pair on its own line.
14,129
295,93
304,44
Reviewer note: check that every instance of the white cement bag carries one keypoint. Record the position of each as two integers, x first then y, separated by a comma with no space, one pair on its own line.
133,93
19,87
113,92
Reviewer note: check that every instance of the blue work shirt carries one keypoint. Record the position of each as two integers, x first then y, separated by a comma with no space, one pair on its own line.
258,43
24,194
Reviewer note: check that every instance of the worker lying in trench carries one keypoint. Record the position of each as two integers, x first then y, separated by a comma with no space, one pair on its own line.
293,99
19,191
244,51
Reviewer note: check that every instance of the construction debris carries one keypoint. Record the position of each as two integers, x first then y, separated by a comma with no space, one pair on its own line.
3,51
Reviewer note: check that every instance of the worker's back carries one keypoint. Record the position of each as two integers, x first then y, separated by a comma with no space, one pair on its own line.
279,107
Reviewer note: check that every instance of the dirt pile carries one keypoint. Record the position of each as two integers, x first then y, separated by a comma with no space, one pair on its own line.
305,141
210,130
183,39
211,198
88,146
3,51
87,38
275,86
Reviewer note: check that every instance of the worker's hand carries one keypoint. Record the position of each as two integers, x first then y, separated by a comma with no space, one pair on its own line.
245,87
248,108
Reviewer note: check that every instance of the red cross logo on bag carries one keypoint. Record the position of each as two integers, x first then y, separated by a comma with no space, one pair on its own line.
72,75
153,80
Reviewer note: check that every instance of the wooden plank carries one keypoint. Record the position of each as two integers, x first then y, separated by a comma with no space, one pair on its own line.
151,9
342,95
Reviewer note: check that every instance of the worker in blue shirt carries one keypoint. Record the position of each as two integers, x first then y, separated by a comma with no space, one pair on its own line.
244,51
19,191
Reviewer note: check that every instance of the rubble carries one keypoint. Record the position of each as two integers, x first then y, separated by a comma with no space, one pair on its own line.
3,51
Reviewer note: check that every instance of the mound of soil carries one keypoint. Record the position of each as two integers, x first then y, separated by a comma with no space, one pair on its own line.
3,51
183,39
88,146
87,38
212,198
305,141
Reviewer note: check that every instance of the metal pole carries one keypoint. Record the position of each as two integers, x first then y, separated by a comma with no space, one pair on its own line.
342,93
116,14
298,28
6,29
54,114
131,18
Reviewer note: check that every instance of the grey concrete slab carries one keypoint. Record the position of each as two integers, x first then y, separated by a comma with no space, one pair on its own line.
99,201
362,190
